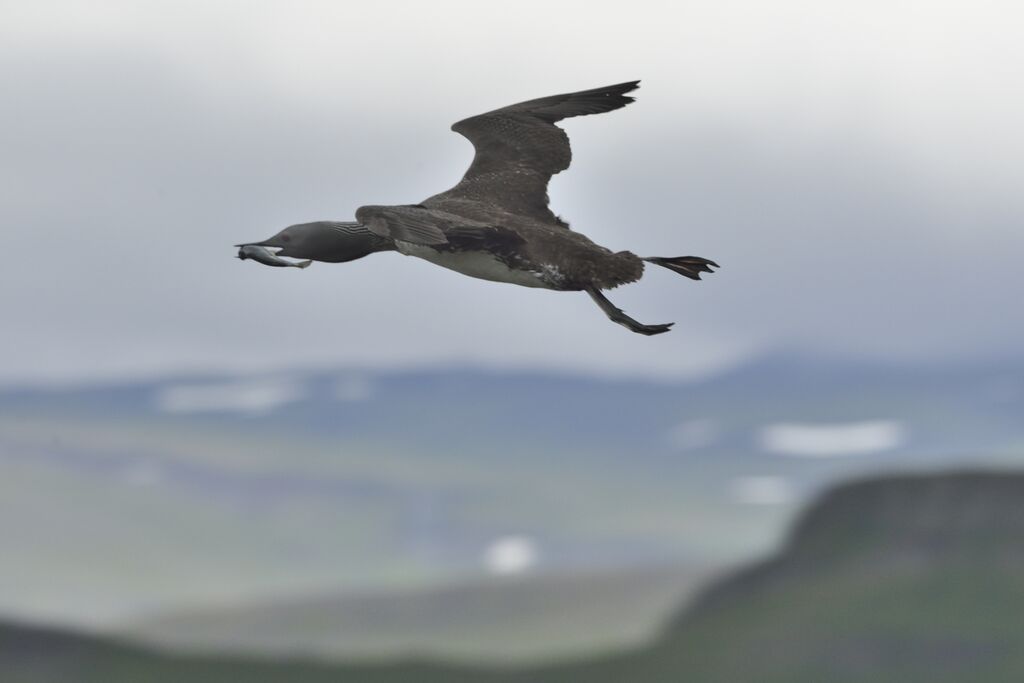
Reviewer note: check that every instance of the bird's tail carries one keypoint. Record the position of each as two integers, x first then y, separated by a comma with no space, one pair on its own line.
302,264
688,266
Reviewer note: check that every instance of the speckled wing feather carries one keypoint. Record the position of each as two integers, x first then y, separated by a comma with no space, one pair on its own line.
519,148
421,225
403,223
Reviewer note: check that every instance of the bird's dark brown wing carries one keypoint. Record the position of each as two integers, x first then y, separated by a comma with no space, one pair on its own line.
403,223
432,227
519,148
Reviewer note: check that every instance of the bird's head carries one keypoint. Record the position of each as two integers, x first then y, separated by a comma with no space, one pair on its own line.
296,241
329,241
301,241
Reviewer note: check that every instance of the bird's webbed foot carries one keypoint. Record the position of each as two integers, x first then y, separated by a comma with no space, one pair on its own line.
617,315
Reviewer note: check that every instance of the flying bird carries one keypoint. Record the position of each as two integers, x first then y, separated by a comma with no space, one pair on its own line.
495,224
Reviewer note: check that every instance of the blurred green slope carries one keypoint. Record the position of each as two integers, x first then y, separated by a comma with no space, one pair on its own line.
894,579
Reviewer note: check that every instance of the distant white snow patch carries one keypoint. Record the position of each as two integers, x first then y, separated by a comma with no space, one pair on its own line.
761,490
830,440
693,434
250,397
511,555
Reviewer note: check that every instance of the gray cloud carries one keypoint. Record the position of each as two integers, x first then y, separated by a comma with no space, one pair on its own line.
129,170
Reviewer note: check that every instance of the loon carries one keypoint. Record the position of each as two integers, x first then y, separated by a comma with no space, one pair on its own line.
495,224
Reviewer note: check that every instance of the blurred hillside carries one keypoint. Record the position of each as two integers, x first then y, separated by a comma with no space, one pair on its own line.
913,578
900,579
331,499
496,620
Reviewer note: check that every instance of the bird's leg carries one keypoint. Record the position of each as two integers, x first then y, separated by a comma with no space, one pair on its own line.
616,315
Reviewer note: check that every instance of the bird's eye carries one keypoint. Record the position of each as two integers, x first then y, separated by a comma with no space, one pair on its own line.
286,238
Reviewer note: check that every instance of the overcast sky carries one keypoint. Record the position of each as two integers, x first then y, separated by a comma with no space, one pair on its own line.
854,166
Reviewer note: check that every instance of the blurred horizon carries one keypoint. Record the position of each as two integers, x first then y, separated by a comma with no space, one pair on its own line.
540,475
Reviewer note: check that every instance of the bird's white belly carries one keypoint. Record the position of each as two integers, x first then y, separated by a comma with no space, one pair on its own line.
475,264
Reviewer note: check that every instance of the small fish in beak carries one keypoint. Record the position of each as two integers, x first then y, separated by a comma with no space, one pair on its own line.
267,257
